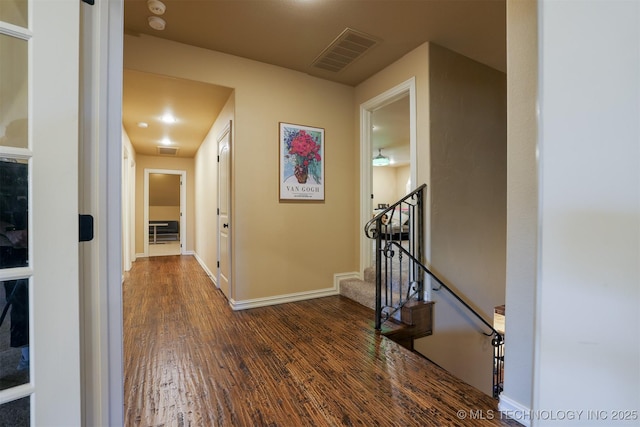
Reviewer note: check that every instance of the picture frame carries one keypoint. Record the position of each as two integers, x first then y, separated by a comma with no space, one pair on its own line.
301,172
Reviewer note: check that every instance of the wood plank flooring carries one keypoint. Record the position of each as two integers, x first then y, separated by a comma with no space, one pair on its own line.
192,361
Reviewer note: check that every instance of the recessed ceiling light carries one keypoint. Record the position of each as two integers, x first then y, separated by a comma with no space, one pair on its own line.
143,125
168,118
166,141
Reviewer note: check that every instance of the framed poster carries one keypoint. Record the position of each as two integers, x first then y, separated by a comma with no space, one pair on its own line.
301,162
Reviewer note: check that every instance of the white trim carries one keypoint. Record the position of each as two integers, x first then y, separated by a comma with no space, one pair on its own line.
366,109
110,81
514,410
100,195
183,206
15,31
298,296
281,299
16,153
338,277
18,392
539,127
16,273
205,268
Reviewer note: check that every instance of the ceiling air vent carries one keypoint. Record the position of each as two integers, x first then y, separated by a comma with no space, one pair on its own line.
167,151
346,48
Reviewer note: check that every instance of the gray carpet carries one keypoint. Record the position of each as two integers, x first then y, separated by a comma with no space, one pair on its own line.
364,291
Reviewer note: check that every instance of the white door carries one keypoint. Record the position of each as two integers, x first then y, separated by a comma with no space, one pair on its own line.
224,211
39,338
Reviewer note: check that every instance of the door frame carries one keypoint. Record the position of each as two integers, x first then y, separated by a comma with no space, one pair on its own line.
366,142
100,120
183,206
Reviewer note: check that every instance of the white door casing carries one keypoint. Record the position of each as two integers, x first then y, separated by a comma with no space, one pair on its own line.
366,111
224,211
101,196
183,206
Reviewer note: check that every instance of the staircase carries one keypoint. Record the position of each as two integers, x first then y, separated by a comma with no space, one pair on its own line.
414,320
361,291
394,287
364,291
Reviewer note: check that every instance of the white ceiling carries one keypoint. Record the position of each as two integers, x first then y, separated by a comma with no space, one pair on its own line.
291,34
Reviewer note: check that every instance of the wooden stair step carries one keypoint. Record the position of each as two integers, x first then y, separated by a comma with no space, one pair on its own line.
417,322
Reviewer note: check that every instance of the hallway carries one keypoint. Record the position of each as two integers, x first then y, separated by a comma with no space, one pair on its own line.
192,361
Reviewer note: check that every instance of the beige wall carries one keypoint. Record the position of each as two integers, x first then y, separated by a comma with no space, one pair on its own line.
278,248
468,206
384,185
403,174
165,163
164,197
164,189
161,213
389,184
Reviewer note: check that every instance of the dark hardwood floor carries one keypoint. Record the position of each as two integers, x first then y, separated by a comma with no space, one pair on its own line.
192,361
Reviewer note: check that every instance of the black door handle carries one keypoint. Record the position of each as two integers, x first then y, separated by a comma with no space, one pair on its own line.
86,228
225,225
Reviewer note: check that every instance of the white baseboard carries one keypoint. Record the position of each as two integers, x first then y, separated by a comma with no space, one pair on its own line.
182,253
514,410
281,299
344,276
298,296
204,267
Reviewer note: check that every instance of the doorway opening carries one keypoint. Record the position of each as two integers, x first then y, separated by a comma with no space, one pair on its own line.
164,212
393,113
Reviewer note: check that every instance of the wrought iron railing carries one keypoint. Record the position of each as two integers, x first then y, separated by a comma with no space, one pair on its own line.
398,233
398,279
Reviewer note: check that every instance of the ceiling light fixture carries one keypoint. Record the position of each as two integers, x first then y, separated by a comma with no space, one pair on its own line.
156,23
143,125
168,118
380,160
166,141
156,7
